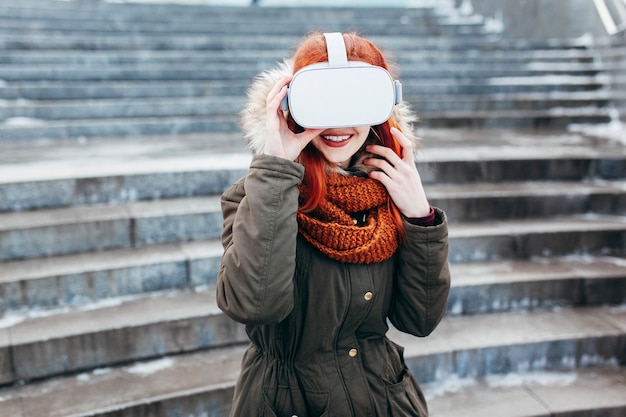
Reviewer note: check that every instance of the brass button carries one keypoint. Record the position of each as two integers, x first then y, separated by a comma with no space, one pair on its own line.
368,296
352,353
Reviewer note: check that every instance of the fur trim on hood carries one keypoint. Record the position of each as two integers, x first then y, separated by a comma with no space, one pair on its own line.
252,115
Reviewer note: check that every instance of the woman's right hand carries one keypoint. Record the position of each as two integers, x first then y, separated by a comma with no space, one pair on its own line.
279,139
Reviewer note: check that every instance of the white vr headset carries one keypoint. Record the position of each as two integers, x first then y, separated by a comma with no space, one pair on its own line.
341,93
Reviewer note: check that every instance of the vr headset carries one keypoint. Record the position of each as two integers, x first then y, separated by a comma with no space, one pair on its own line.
341,93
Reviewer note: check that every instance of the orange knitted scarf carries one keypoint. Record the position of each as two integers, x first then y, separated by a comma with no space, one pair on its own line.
331,227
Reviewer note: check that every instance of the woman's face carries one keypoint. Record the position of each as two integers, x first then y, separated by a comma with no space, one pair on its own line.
339,144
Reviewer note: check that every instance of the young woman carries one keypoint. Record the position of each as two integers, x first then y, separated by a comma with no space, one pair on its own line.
327,238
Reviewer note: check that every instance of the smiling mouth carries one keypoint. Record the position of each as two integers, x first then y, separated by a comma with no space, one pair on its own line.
336,138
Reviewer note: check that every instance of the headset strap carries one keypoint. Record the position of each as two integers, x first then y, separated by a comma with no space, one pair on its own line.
336,48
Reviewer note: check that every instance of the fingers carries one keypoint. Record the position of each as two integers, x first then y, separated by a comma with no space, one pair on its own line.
277,93
389,165
278,87
392,159
275,120
390,156
279,139
400,176
406,144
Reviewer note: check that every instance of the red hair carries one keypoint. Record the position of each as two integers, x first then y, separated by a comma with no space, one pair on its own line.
313,50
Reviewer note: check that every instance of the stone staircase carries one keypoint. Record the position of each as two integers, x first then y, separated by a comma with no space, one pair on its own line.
92,69
119,134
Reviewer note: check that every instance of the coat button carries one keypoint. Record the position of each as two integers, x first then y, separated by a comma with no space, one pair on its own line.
352,353
368,296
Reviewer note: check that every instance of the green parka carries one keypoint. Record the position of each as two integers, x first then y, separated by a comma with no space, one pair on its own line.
317,325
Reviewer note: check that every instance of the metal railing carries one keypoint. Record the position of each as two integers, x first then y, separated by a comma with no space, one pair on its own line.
613,15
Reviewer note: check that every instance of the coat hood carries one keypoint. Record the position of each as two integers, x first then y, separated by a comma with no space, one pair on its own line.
252,115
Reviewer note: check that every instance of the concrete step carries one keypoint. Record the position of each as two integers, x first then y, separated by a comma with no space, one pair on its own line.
542,394
21,129
100,58
71,281
160,12
188,25
499,55
227,106
517,342
58,231
536,284
125,108
538,237
129,73
228,19
267,42
26,129
117,331
122,42
237,71
141,88
483,112
467,156
102,171
515,200
106,172
191,384
45,90
552,118
511,101
49,232
383,20
251,56
148,388
570,340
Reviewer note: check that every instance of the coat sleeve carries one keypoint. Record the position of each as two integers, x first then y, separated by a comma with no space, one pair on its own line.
422,279
255,281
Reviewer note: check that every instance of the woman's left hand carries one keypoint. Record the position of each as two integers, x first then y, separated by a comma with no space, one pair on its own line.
400,177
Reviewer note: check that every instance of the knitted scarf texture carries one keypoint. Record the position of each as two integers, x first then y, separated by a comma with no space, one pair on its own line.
331,226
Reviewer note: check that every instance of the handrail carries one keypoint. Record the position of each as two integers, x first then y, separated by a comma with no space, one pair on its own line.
613,15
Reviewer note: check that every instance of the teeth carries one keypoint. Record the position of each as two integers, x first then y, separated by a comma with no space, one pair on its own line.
336,138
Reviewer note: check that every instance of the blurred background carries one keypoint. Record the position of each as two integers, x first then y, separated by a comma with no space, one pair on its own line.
119,131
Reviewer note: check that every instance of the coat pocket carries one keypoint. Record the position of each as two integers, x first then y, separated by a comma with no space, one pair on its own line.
405,398
288,402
